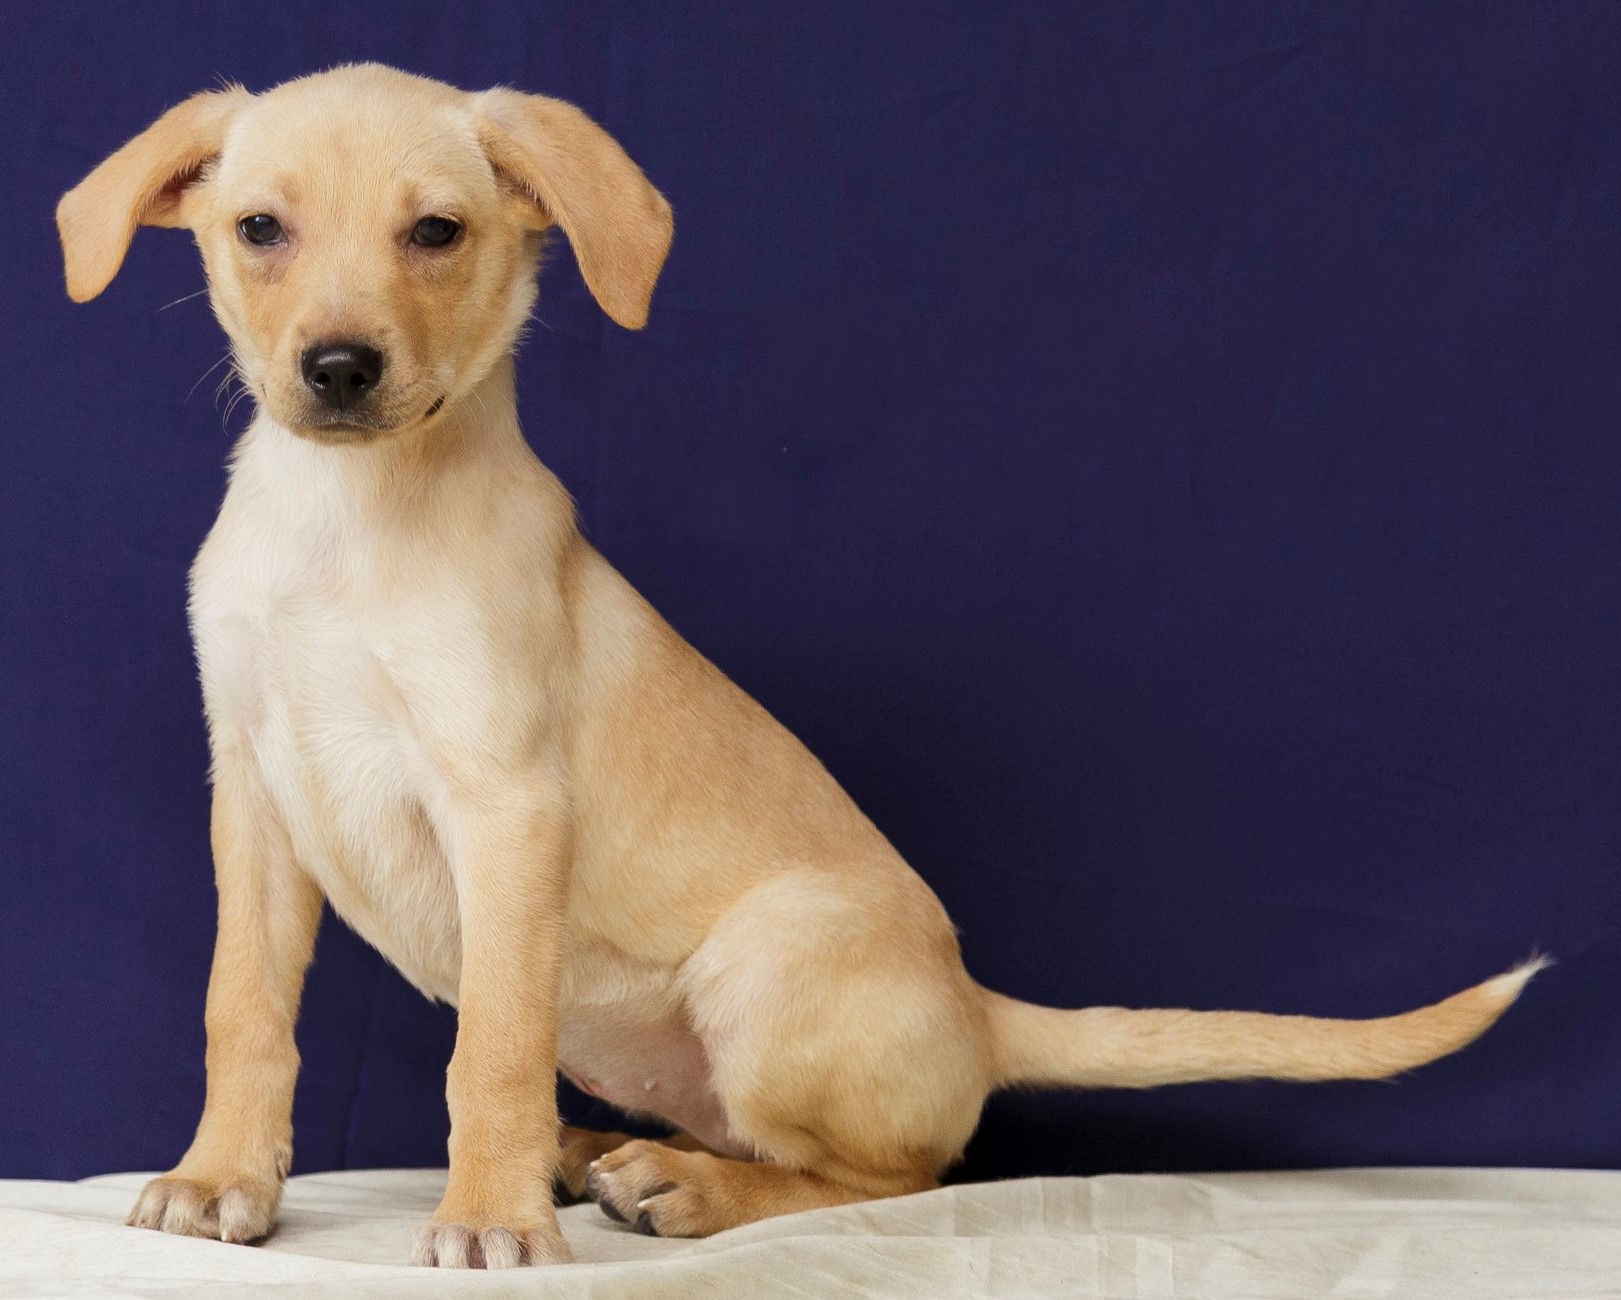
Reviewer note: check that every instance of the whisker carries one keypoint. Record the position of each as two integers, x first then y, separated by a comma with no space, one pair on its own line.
178,301
236,399
242,391
223,388
233,375
205,375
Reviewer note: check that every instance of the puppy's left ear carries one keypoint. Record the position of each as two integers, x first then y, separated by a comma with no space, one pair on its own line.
140,185
575,174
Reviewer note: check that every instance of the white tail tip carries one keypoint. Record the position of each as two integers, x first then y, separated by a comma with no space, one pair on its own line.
1509,984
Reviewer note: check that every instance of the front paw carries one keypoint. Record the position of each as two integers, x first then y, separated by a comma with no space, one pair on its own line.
221,1209
466,1245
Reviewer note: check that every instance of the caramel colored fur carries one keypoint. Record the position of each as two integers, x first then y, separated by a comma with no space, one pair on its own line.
432,703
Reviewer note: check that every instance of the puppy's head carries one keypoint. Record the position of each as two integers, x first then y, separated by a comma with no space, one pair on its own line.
370,237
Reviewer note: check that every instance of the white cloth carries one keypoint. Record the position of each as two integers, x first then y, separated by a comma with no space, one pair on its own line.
1429,1234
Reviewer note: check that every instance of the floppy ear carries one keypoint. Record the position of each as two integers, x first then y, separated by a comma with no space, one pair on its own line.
140,185
576,175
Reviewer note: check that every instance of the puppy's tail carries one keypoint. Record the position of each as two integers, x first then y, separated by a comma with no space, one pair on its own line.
1110,1047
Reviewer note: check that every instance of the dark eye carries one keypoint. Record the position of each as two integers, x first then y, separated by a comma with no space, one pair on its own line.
260,228
435,232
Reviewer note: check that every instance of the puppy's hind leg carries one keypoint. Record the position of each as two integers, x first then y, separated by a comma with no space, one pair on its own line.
855,1070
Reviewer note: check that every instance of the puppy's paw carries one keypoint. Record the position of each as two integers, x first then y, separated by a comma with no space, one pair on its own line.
656,1189
578,1148
238,1210
466,1245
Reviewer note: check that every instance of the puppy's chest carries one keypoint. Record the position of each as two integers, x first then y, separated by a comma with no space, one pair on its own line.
315,688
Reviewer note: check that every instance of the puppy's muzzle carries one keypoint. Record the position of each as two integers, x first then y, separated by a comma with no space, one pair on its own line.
342,375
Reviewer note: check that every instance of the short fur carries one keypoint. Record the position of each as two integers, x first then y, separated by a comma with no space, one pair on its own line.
434,704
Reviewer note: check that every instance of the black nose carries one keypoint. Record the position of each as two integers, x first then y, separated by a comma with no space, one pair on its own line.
342,374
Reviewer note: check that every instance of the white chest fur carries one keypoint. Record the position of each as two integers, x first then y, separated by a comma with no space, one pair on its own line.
301,670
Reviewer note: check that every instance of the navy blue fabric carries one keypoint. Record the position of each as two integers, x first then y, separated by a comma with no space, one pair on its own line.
1162,457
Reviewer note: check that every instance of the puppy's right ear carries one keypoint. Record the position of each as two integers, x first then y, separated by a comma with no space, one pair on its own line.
140,185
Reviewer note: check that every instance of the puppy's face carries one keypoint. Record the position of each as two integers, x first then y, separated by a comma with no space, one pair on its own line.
371,237
362,256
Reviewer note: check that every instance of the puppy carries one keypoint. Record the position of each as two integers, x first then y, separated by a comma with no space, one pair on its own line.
433,704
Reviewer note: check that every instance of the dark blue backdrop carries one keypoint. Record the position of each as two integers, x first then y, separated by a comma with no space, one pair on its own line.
1163,458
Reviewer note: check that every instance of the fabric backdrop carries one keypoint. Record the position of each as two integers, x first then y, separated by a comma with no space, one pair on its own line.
1163,458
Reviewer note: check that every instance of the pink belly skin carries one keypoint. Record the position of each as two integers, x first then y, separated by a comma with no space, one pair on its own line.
654,1067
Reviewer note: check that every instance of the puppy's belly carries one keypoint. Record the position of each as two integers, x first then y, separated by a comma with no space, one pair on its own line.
624,1037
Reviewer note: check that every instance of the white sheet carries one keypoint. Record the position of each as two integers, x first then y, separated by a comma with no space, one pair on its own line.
1428,1234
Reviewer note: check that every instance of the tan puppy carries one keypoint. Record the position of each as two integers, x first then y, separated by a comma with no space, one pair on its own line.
434,704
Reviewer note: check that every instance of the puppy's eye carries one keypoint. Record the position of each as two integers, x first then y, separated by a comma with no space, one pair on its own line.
435,232
260,228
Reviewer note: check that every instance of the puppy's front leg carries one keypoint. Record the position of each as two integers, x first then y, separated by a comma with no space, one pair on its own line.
229,1182
510,856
